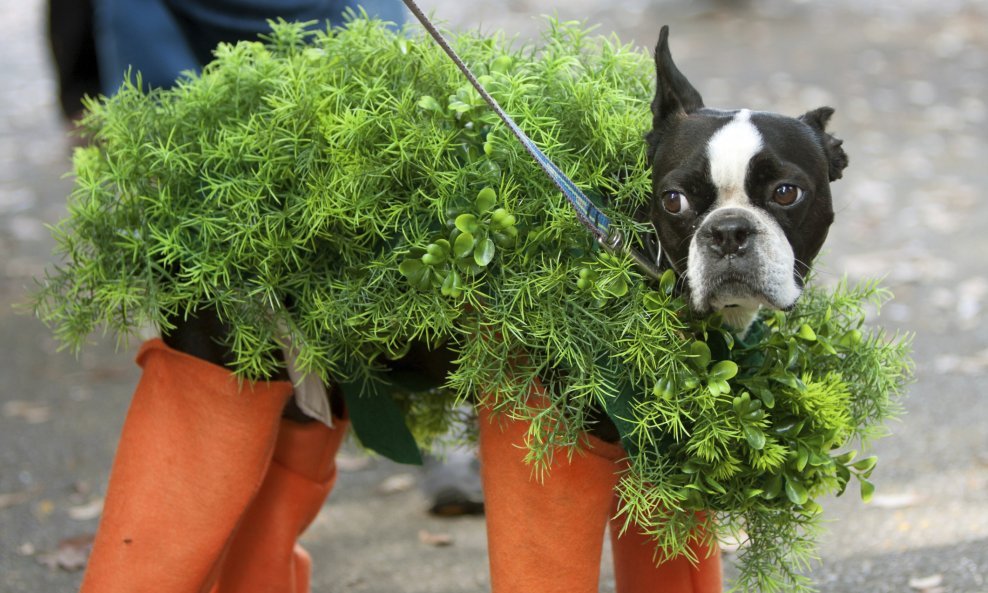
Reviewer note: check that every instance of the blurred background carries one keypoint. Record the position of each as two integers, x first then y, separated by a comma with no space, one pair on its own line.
909,81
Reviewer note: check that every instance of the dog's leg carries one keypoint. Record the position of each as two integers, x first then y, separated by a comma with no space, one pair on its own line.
264,555
544,536
635,569
194,450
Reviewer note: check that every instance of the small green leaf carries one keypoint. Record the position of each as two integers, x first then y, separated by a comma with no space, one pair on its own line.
718,387
442,245
664,388
717,486
850,339
724,370
700,354
502,64
767,397
773,486
447,287
790,381
865,464
463,246
806,332
867,489
485,200
483,252
668,282
502,219
755,437
429,104
467,223
845,458
617,287
802,457
796,492
411,268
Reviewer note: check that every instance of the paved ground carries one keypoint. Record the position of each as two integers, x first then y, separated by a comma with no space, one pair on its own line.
910,82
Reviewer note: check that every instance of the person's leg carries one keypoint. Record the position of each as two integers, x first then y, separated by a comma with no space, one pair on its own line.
207,23
194,450
73,49
545,537
144,37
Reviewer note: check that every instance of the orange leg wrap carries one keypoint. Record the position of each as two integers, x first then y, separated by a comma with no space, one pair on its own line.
635,570
544,537
264,556
194,449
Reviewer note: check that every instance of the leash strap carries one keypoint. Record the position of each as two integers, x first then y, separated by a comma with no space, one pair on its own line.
595,220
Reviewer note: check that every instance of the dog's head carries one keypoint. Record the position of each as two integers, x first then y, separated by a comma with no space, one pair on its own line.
740,199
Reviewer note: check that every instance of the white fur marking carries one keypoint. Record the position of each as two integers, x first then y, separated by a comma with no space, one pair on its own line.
729,151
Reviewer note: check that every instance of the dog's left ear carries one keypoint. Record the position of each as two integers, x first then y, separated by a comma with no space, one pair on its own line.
836,157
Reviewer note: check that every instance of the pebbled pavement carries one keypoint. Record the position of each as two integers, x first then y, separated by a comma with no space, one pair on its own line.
909,80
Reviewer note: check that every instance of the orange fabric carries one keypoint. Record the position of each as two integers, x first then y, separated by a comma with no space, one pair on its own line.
544,537
194,448
635,569
264,556
548,537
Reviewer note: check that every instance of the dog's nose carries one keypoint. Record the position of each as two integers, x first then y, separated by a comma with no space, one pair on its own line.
729,234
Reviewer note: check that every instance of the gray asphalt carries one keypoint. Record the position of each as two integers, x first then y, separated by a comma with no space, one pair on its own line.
909,80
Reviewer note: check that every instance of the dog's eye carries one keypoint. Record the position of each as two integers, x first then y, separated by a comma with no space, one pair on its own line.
787,195
675,202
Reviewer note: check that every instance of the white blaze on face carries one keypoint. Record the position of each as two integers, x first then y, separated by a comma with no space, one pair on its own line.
768,267
729,152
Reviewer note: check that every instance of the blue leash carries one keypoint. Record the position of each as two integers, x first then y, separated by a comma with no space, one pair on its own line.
592,217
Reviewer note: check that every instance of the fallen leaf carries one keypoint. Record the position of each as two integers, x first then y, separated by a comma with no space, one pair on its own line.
397,483
71,554
30,412
894,500
15,498
44,509
927,584
85,512
352,463
435,539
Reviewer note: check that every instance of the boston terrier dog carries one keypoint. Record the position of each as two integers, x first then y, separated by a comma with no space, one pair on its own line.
740,199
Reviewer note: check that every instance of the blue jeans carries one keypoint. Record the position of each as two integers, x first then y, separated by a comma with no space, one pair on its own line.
163,38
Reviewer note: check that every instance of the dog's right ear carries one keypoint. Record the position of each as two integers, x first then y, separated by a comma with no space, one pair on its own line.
674,95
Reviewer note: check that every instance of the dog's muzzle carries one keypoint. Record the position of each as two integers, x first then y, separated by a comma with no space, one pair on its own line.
740,257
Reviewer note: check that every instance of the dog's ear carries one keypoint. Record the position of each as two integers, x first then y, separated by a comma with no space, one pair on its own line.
836,157
674,95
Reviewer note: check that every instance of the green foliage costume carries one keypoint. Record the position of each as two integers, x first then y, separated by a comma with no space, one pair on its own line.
350,191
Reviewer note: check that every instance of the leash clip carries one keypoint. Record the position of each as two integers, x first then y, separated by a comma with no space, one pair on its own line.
614,240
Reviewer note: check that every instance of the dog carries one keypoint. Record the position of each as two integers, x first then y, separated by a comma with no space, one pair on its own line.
740,207
741,200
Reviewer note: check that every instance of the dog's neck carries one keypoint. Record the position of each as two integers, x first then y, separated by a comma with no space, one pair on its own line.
739,318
